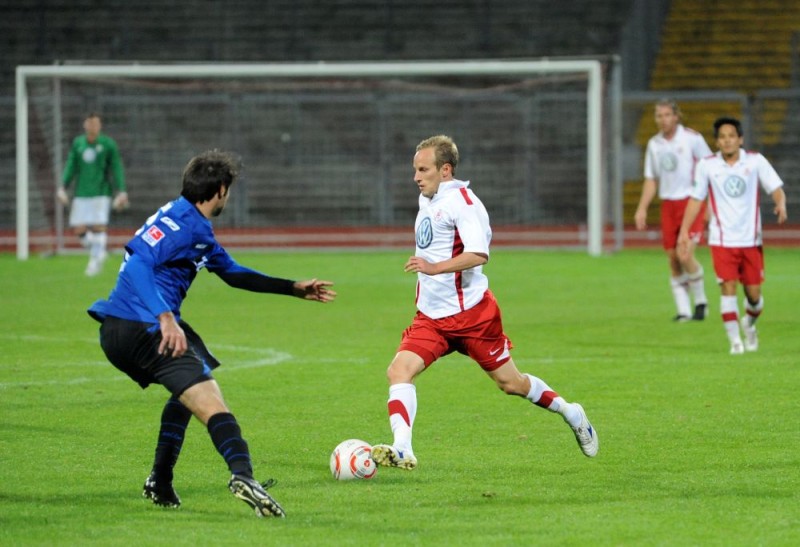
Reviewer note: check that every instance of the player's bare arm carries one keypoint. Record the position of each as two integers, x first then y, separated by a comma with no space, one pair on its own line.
459,263
173,339
692,210
779,197
314,289
648,193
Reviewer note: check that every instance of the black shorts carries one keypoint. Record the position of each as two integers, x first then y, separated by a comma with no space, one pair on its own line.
132,347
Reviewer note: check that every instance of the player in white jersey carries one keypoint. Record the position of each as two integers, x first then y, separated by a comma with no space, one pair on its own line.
668,169
730,181
456,309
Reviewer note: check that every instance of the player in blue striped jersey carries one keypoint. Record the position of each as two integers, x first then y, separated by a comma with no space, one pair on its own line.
143,334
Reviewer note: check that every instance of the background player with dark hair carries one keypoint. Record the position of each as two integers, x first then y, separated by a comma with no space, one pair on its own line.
730,181
143,334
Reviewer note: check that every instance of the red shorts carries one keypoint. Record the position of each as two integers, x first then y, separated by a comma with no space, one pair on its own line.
476,332
744,264
671,218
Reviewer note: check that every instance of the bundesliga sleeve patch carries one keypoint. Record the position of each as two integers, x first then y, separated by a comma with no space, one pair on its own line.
153,235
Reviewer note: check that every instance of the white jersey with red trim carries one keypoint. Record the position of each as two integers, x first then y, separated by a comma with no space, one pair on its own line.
671,162
452,222
733,196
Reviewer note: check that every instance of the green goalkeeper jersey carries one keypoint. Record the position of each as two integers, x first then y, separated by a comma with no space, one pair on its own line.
95,165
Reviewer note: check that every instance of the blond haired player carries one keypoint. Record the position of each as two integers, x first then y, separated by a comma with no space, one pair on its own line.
730,181
668,169
456,309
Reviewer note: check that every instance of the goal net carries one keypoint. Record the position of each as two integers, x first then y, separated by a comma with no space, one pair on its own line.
328,147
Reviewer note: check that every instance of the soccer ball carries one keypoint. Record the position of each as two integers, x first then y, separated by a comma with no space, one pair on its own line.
352,459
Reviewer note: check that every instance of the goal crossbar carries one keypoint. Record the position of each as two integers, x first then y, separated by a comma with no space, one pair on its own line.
591,68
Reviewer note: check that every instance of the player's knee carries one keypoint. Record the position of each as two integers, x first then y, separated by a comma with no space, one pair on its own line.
402,372
204,399
397,374
405,366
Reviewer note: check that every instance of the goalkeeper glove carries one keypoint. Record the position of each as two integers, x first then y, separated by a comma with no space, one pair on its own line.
121,202
62,196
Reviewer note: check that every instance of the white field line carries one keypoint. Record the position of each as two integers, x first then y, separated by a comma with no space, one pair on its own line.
247,357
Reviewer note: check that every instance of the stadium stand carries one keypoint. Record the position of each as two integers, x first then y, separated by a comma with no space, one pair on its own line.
199,30
697,53
746,47
283,30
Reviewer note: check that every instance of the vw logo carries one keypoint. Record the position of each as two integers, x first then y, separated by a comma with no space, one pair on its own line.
734,186
89,155
424,233
668,162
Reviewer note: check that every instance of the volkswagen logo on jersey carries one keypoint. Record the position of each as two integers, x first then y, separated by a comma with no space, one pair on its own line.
734,186
424,233
89,155
668,162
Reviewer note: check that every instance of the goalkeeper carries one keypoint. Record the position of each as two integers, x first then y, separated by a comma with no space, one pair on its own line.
93,162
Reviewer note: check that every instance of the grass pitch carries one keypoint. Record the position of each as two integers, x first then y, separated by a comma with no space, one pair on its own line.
697,447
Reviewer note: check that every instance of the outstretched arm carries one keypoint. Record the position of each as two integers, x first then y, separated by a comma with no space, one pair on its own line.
251,280
314,289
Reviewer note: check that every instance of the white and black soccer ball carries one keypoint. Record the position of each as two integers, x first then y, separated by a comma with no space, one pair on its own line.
352,459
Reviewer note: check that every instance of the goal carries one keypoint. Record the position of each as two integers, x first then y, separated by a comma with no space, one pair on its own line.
329,145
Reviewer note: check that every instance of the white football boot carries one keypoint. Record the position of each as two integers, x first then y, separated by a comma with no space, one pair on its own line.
95,265
750,335
737,348
586,435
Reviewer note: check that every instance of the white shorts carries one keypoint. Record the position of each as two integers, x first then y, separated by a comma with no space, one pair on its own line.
90,211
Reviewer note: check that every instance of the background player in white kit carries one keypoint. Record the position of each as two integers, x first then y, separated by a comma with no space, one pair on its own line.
457,311
730,180
668,169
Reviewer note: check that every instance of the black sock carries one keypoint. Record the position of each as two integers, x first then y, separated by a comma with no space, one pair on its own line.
227,438
174,420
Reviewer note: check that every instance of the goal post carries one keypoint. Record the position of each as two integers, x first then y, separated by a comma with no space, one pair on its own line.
596,149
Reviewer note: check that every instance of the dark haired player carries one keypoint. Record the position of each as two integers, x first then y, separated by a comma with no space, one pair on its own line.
143,334
730,180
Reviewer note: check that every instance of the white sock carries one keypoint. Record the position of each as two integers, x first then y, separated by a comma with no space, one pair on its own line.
697,286
730,318
98,244
402,410
543,395
681,294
